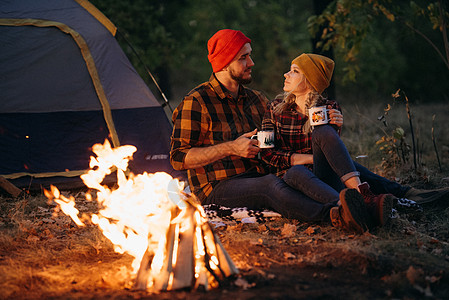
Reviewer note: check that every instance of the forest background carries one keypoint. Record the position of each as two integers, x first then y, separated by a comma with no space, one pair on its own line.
379,46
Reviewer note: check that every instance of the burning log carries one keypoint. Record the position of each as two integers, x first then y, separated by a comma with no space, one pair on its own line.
149,217
194,255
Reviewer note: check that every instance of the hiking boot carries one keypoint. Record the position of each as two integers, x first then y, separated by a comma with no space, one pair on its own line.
351,215
379,206
336,218
425,196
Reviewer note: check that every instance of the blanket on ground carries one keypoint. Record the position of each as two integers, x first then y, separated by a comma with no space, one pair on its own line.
222,216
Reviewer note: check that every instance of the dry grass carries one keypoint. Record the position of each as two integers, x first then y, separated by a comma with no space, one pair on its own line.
44,259
44,255
362,129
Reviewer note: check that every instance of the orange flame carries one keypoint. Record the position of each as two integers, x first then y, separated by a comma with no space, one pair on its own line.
138,215
137,212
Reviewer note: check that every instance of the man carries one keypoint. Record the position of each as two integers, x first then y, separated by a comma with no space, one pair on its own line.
211,139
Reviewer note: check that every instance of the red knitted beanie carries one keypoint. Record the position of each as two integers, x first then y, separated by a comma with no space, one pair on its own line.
223,46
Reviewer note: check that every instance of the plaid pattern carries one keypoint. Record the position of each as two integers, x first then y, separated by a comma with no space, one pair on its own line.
208,116
290,136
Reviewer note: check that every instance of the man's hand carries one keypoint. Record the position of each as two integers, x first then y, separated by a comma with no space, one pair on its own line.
244,146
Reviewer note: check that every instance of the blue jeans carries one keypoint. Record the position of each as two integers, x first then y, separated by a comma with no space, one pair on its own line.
379,184
332,165
257,191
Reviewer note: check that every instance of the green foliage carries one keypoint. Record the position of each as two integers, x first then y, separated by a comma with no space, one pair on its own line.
277,30
395,151
393,34
148,26
399,158
171,37
375,49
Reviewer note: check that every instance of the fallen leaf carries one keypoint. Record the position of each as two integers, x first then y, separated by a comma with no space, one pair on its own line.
288,230
262,228
242,283
32,239
414,275
273,228
236,228
310,230
289,255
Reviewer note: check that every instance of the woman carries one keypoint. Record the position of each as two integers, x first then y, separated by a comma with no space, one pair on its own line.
300,147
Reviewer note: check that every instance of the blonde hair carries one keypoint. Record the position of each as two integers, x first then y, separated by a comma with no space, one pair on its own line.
313,99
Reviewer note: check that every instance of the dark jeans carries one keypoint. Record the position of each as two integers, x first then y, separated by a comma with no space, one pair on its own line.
332,165
379,184
269,191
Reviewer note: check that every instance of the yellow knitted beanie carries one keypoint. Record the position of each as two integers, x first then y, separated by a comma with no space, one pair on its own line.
318,69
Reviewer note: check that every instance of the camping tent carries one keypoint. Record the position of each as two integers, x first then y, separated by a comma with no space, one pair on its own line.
65,84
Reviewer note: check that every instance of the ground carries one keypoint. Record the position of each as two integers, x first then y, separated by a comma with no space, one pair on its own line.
44,256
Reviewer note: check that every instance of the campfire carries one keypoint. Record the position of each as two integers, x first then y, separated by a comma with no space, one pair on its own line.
150,217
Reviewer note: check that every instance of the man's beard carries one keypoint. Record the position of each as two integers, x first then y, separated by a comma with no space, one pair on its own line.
239,79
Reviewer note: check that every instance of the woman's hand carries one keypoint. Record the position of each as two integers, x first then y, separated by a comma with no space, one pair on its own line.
301,159
335,117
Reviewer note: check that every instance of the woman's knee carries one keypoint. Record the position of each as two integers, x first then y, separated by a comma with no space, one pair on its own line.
298,172
324,135
323,131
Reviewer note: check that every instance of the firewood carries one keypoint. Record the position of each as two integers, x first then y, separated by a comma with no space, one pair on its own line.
161,282
9,187
184,273
193,256
143,274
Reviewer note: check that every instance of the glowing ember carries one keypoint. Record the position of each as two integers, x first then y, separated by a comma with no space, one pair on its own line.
149,217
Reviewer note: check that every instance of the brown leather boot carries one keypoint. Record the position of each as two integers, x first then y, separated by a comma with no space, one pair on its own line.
379,206
351,215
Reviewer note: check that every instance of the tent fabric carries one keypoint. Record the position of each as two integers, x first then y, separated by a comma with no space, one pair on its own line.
98,15
87,56
65,85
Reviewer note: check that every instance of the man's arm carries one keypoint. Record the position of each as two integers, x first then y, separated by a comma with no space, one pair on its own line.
243,146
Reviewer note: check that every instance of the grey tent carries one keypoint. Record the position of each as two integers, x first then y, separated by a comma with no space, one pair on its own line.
65,84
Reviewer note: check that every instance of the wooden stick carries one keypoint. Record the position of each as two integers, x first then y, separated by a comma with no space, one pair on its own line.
9,187
409,115
435,142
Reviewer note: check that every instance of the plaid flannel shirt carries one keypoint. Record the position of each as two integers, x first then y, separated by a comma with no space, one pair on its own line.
208,116
289,136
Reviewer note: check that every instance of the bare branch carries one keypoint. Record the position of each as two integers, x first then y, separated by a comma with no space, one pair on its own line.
430,42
